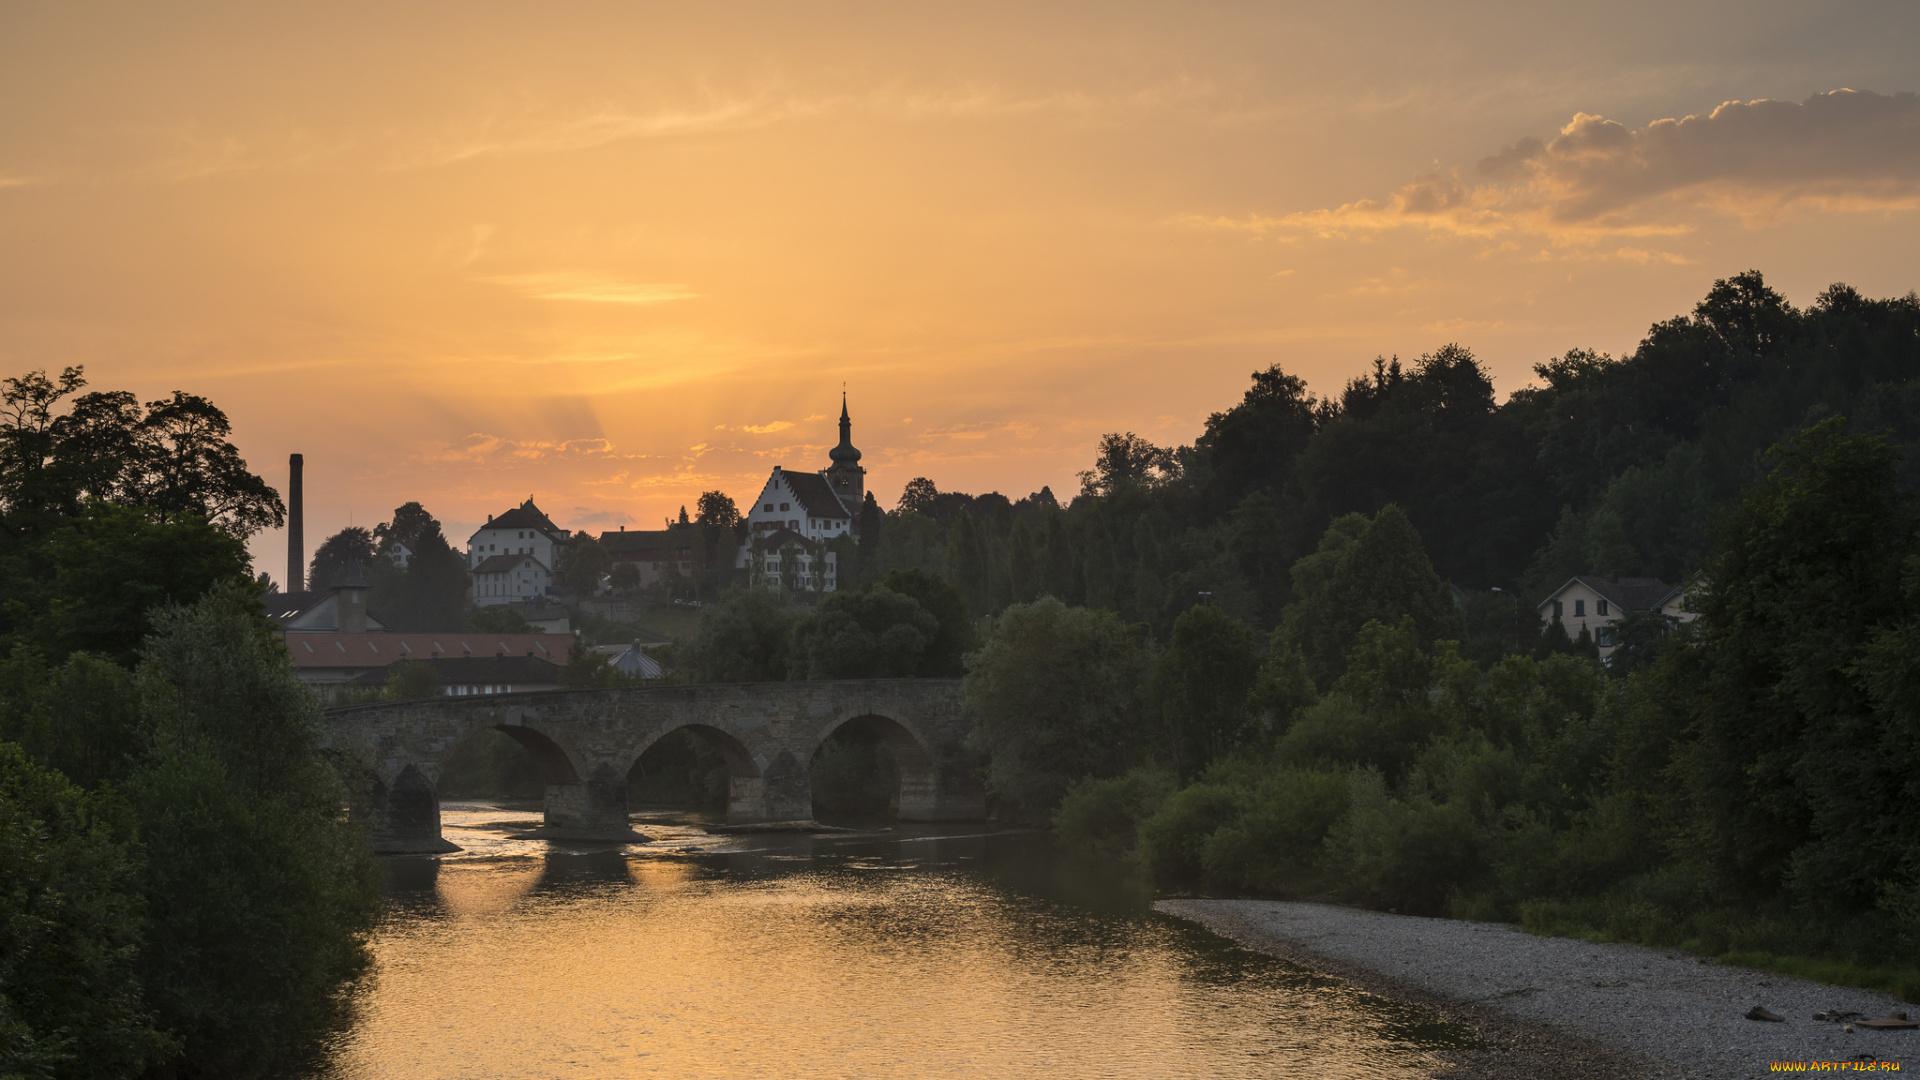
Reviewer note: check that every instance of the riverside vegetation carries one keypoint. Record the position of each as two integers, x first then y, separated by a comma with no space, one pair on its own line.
1295,660
180,894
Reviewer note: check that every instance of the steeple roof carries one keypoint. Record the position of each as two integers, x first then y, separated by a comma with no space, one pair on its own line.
845,453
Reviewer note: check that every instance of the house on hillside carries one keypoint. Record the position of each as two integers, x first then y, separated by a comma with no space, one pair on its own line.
510,579
783,556
1597,604
523,530
658,554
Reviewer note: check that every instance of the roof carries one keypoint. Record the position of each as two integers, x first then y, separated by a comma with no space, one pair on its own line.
644,544
1627,593
525,516
816,495
283,606
500,564
379,650
779,538
633,660
525,670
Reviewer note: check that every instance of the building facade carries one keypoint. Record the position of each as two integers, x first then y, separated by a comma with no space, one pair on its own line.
797,514
523,530
1597,605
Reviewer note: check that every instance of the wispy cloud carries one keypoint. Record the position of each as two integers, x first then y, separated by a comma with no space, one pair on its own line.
588,288
756,429
1754,160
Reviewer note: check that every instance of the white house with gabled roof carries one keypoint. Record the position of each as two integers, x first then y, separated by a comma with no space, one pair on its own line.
1597,604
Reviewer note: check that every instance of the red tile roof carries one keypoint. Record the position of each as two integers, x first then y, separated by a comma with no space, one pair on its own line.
379,650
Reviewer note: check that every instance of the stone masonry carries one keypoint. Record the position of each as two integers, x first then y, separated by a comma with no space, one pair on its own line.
586,741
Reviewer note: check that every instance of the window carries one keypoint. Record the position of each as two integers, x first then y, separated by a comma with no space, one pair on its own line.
1557,612
1601,607
768,508
1579,608
1605,637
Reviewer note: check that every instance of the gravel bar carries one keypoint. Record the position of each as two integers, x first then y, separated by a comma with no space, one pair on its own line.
1560,1007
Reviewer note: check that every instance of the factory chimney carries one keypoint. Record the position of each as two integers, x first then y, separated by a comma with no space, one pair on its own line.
296,545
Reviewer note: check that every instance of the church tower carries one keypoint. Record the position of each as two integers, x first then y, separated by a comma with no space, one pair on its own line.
845,476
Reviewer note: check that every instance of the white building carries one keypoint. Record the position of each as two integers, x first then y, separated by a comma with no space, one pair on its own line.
803,511
510,579
1598,604
771,557
524,530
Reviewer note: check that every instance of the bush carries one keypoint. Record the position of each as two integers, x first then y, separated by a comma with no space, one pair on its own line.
1277,842
1173,842
1103,816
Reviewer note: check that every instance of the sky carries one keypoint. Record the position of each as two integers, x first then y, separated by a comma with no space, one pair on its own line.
612,255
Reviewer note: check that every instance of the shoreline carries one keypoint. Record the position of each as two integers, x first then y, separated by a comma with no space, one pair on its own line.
1558,1008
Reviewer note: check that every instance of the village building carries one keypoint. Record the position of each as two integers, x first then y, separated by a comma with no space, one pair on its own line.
523,530
510,579
463,676
339,658
800,512
1598,604
340,610
785,557
657,554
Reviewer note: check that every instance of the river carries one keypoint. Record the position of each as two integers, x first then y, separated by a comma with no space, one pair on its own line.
925,952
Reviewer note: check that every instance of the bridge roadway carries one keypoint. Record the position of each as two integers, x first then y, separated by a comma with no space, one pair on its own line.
585,743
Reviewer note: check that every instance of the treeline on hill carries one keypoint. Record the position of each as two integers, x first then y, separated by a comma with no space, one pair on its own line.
179,893
1301,657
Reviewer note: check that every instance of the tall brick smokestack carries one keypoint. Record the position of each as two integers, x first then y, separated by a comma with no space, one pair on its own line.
296,544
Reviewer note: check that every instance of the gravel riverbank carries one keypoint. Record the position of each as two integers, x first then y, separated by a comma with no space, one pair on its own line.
1560,1007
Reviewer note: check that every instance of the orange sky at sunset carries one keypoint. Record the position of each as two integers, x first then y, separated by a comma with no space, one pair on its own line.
611,255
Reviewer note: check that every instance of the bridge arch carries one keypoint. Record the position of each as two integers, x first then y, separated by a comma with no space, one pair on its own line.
586,741
746,776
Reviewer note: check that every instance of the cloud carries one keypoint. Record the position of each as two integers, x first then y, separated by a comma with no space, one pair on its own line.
481,447
590,289
756,429
1754,160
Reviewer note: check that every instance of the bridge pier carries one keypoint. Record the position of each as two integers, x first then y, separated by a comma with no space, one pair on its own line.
406,816
592,809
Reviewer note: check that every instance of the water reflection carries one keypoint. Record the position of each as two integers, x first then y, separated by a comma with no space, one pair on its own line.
832,956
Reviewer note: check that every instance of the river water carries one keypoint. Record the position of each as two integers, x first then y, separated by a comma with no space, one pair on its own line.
925,952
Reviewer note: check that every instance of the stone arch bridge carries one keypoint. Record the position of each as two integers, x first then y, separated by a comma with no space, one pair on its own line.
586,741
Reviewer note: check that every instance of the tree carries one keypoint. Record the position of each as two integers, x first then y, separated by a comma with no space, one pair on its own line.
624,577
499,620
1796,783
411,525
1363,571
716,508
259,892
1124,461
967,563
945,654
1054,696
918,497
582,562
169,457
351,545
89,583
871,633
746,637
70,931
411,680
1202,683
590,668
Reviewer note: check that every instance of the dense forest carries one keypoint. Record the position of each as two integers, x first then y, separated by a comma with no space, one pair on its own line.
1301,657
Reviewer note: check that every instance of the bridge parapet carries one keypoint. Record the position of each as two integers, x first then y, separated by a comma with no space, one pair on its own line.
586,742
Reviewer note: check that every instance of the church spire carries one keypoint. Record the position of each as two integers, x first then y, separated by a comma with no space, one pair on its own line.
845,453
